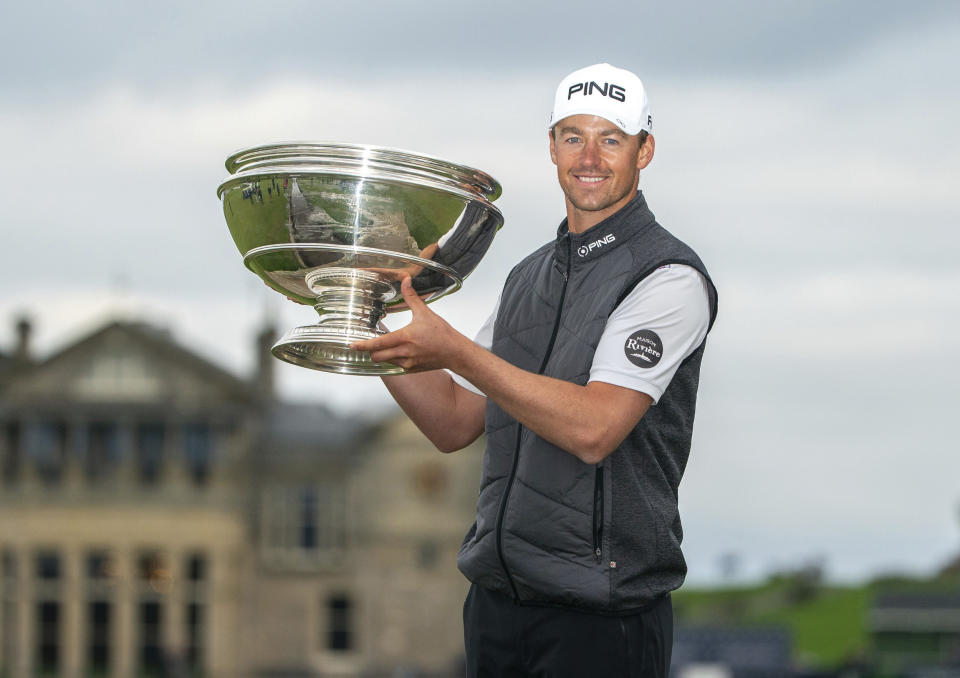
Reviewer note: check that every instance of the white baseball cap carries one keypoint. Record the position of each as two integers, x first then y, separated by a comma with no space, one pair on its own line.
609,92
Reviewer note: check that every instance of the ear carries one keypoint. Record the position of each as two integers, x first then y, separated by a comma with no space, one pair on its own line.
553,147
646,153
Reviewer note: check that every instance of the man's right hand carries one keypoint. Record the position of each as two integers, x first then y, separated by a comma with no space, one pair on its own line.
427,343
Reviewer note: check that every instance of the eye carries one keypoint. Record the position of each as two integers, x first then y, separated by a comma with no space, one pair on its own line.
610,141
571,140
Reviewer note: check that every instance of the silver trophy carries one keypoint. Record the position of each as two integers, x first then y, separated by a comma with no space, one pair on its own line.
338,227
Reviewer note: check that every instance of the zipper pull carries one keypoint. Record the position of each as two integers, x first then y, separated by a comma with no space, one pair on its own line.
598,554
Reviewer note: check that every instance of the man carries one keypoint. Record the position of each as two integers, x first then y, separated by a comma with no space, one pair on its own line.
576,545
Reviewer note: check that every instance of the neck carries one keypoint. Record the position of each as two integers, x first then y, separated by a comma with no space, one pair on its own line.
579,220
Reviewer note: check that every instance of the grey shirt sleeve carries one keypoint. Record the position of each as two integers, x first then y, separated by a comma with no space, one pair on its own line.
661,322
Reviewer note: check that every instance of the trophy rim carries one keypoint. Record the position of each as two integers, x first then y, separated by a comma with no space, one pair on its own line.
433,182
276,158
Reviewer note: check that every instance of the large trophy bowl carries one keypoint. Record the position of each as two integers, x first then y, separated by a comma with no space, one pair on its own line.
338,227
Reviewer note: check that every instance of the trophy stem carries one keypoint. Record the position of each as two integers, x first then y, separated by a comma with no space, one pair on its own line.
350,304
349,309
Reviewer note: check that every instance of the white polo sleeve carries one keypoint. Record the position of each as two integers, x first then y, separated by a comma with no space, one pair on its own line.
658,325
484,339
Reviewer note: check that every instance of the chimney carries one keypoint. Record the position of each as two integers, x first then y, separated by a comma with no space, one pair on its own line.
264,377
24,330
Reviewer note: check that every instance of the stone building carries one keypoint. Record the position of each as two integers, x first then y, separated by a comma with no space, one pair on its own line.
160,516
911,631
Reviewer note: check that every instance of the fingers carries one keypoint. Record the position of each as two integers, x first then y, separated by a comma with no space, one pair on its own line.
400,347
389,355
384,351
377,343
414,302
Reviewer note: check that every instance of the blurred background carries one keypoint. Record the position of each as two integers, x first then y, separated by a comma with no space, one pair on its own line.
173,501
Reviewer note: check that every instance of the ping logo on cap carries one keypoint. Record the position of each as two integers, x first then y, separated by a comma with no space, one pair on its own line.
615,92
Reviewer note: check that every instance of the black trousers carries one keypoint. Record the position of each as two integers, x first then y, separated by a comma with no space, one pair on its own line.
506,640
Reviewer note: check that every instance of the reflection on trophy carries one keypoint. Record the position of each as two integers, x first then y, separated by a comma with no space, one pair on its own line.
339,226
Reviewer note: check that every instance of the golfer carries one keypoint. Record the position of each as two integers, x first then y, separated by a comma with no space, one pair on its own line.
584,379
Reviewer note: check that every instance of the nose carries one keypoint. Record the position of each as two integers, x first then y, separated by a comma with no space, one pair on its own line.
590,155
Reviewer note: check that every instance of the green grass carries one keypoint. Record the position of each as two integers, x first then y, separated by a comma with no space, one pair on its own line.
827,624
827,629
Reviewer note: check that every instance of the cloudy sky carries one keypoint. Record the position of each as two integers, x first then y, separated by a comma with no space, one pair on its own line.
807,149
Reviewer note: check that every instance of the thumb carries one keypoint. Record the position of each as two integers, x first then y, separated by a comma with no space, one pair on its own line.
414,302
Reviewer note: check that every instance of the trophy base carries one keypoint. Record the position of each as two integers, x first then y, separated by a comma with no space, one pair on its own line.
327,349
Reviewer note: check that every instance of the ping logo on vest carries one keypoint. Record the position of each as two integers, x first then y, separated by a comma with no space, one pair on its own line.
643,348
615,92
584,250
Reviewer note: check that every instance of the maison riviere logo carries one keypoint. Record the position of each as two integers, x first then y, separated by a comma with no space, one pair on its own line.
643,348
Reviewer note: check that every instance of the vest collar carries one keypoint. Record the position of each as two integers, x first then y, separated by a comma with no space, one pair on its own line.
605,236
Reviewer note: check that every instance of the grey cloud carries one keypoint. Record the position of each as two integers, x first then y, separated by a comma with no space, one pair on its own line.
65,47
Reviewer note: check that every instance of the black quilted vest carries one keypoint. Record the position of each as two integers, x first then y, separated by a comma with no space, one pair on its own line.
551,529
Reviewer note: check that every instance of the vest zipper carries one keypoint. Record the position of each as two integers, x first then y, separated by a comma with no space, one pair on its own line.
598,515
516,451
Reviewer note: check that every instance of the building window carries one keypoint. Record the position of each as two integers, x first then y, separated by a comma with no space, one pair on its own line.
8,561
103,449
150,443
46,446
47,580
48,566
194,656
8,617
308,520
98,627
9,645
196,574
100,574
10,446
339,623
153,579
305,523
428,553
198,447
151,641
153,573
100,567
196,568
48,637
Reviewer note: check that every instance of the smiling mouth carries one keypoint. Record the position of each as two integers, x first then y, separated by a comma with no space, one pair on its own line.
591,180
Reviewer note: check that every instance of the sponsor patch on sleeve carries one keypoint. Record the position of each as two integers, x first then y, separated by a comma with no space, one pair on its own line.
643,348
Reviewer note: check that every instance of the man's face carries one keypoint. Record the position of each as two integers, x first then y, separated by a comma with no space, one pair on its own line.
598,166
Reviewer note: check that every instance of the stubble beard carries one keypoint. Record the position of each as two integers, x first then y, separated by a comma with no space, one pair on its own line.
598,203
